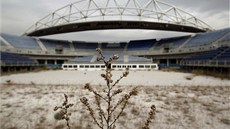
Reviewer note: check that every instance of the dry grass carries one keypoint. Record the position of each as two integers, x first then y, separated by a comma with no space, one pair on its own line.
222,75
213,74
178,107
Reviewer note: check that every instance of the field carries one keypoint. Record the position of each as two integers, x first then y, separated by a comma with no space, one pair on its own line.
183,101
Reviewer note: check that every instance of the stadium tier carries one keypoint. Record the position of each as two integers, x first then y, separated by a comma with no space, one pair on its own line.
53,44
141,44
225,55
174,41
21,42
138,59
83,46
9,59
82,59
226,38
113,46
133,45
209,55
206,38
217,57
1,43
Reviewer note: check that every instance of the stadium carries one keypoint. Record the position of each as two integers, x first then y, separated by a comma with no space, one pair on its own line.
200,47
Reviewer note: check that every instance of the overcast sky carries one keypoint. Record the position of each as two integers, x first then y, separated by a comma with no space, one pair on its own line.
18,15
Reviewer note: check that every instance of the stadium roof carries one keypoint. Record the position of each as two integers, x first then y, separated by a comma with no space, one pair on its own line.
111,14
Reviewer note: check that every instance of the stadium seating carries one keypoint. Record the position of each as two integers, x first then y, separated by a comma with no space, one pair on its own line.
141,44
225,55
82,59
15,59
113,46
206,38
52,44
226,38
174,41
208,55
21,42
1,43
84,46
138,59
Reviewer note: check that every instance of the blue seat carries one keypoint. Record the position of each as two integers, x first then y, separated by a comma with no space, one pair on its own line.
206,38
21,41
10,58
141,44
52,44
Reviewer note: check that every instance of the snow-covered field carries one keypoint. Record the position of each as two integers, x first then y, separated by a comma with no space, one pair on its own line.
183,101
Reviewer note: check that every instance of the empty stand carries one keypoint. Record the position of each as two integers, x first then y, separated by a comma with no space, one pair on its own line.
21,42
15,59
208,55
82,59
225,55
83,46
113,46
53,44
206,38
173,41
138,59
218,57
226,38
141,44
2,43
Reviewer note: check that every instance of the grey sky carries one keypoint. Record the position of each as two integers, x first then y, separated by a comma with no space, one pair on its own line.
18,15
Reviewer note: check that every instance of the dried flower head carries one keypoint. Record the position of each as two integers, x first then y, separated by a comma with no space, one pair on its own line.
60,115
63,113
99,50
126,73
134,91
99,58
88,87
84,100
118,91
115,57
150,117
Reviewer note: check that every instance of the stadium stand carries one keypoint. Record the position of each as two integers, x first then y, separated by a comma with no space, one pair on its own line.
217,57
208,55
1,43
53,44
176,41
168,52
83,46
138,59
225,55
82,59
141,44
15,60
206,38
226,38
113,46
21,42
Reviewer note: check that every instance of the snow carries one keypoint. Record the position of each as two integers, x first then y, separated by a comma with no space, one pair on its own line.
202,102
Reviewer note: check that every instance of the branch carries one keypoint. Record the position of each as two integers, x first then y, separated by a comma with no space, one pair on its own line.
126,98
84,100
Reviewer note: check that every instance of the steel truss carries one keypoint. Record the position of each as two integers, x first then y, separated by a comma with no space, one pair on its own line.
123,10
